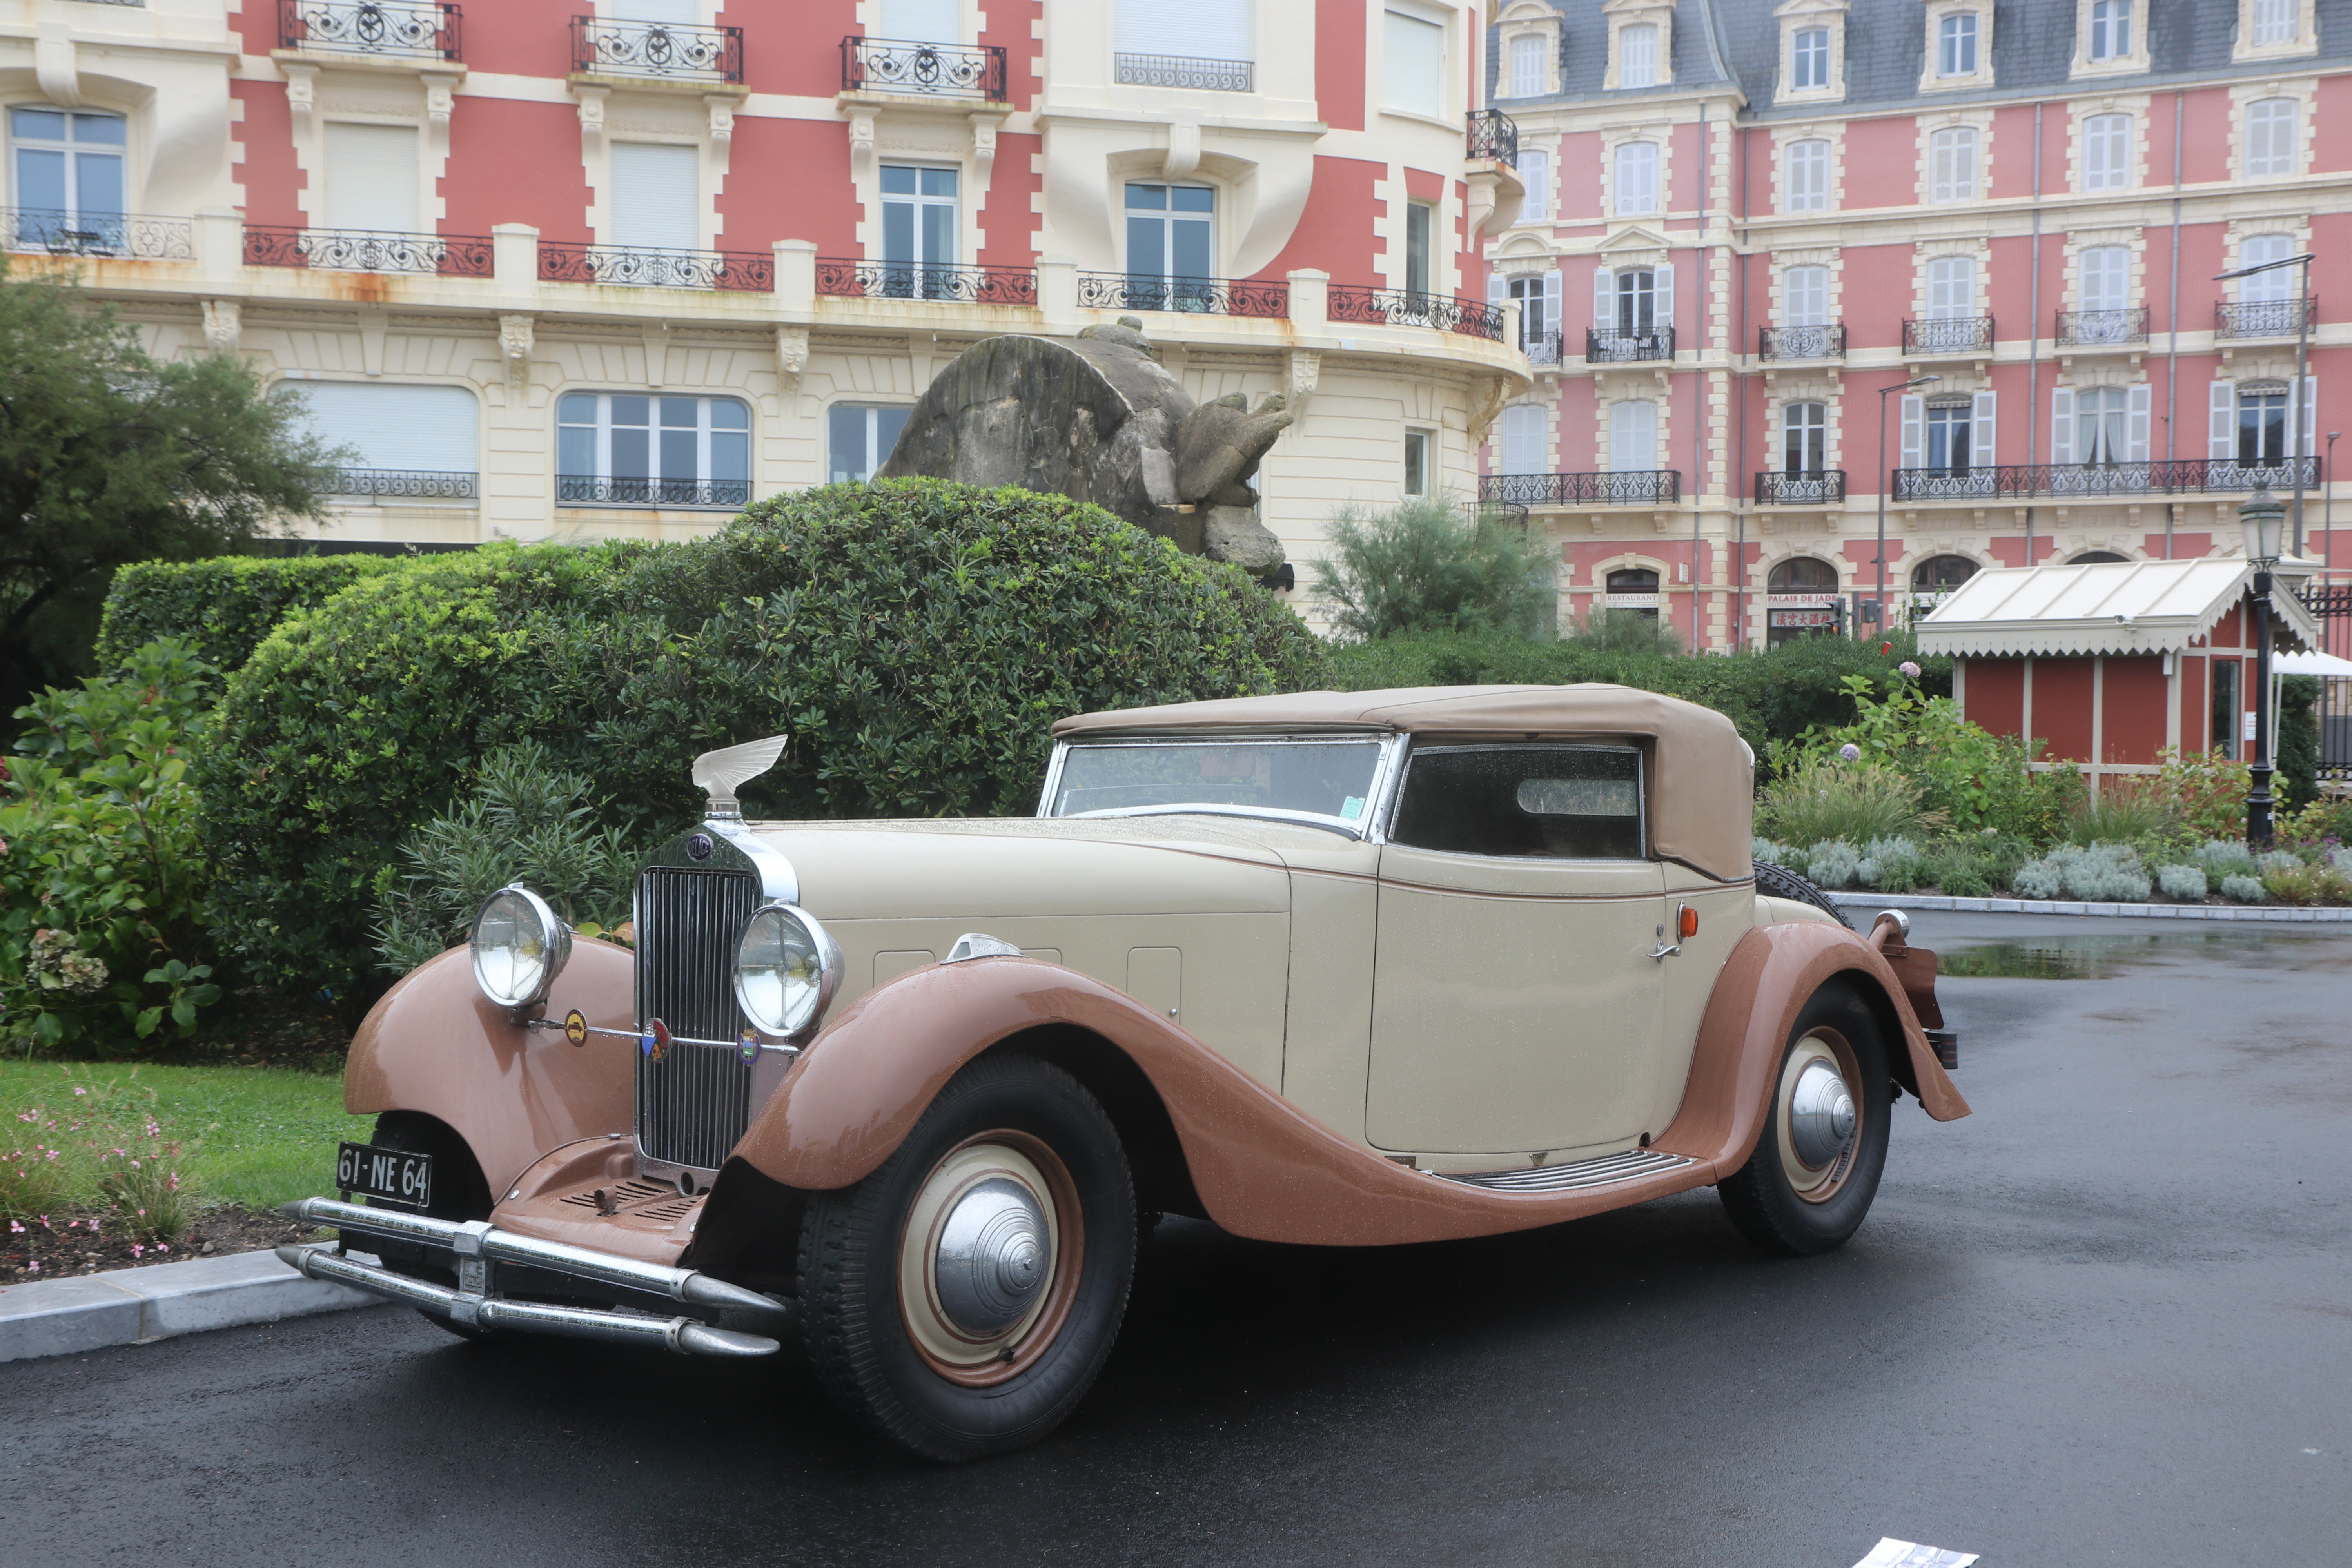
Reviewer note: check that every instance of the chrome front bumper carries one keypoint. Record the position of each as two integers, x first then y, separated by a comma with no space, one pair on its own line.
476,1250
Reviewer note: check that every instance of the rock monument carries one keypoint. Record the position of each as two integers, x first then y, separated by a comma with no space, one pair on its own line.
1099,419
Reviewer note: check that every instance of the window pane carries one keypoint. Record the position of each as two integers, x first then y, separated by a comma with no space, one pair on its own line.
939,182
939,233
632,410
1188,239
888,423
98,130
1145,239
1147,198
40,180
576,450
1193,199
898,180
731,456
629,453
728,414
47,125
1327,778
1576,803
679,454
98,180
577,408
680,413
844,441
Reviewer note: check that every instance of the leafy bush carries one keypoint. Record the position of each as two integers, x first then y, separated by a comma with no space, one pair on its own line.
2272,860
2104,873
916,638
2187,883
1965,775
1831,864
2220,857
2124,811
1828,799
2298,741
1625,631
528,822
103,897
2324,824
2208,791
1425,568
222,607
2341,859
1890,864
2307,884
2242,889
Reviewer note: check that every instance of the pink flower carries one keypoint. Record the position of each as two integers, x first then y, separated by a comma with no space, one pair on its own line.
163,1246
134,1164
1909,668
81,1091
137,1251
16,1228
34,1265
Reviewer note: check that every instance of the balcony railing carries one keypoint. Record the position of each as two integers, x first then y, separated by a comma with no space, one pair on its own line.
1184,72
1494,134
2093,329
846,276
368,250
601,490
419,29
1801,343
1609,346
2264,318
1648,487
1948,335
1399,308
1199,296
653,269
423,484
117,235
2179,476
1543,349
668,51
933,70
1823,488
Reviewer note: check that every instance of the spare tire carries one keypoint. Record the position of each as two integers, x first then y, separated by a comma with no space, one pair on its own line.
1779,882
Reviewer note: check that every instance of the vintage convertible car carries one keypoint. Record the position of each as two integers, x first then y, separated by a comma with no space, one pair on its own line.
1344,970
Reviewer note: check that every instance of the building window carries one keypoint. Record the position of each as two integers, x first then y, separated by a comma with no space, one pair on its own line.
1168,242
401,440
2261,424
371,178
657,196
68,178
2107,152
1951,288
2225,708
1152,35
1637,56
629,449
1534,174
858,438
918,229
2110,29
2103,279
1805,176
1528,66
1523,439
1637,301
1637,178
2102,416
1940,575
1948,436
904,21
1634,437
1416,462
1413,64
1807,589
2271,136
1809,59
1805,296
1956,44
2279,282
1538,298
1804,434
1952,163
1628,587
1418,221
2274,21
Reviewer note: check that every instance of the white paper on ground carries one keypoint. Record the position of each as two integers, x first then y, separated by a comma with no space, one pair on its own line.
1892,1553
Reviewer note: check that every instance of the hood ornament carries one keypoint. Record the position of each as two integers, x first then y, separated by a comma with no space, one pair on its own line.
718,775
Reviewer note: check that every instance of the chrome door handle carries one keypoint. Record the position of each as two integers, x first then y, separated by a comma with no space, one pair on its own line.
1667,949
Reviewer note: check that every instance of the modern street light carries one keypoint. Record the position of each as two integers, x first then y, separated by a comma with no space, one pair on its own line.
2264,521
1886,483
2301,367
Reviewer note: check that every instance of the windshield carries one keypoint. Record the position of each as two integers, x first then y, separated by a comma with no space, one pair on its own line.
1320,778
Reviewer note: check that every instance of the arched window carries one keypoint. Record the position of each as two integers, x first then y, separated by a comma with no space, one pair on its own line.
2107,152
1956,44
1801,600
1802,574
1804,434
1941,573
2271,136
1637,178
1634,437
1952,162
1627,588
1528,66
1637,56
2097,558
68,174
1805,176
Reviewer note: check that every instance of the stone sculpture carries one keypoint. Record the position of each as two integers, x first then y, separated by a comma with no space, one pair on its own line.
1099,419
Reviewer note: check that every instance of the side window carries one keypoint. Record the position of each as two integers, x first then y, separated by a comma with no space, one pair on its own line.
1541,801
858,438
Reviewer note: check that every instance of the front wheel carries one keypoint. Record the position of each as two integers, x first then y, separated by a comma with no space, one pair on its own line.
960,1299
1823,1144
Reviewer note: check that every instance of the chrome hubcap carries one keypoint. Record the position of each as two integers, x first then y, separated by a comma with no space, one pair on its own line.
1821,1113
994,1255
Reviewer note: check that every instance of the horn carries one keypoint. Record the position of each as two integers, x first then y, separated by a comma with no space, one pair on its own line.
720,773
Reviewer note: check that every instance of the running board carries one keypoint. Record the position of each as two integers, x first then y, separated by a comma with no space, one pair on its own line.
1606,1171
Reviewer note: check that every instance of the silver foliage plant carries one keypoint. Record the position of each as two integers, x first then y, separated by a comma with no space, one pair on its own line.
1832,863
2242,889
1891,863
2187,883
2100,873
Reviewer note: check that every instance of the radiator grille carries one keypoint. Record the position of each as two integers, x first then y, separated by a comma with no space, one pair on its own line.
695,1103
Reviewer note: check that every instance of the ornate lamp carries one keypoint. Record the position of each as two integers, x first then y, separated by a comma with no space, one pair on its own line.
2264,521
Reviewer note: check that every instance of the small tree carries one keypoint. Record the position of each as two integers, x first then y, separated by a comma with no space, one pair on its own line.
107,456
1424,568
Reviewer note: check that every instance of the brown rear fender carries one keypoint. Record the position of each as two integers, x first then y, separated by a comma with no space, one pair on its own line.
436,1045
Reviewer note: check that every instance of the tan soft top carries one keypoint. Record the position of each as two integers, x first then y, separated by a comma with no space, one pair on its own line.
1702,788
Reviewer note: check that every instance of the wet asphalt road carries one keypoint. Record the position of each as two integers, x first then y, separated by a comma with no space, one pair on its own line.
2106,1320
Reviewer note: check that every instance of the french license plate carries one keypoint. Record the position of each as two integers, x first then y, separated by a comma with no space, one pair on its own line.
387,1176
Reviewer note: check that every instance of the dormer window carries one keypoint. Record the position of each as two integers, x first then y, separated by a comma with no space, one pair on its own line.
2275,22
1527,66
2111,29
1637,56
1809,60
1956,44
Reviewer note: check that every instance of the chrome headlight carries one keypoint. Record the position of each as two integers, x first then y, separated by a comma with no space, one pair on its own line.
786,970
520,947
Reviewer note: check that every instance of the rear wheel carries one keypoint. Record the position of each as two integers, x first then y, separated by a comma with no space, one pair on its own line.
960,1299
459,1193
1823,1144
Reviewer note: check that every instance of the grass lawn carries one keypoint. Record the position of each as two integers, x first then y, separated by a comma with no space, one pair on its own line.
257,1135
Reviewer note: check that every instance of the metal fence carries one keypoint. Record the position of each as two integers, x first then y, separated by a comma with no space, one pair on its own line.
748,272
368,250
1200,296
846,277
1650,487
2264,318
126,236
670,50
933,70
1609,346
603,490
2331,606
1818,488
415,483
2089,329
419,29
1494,134
1802,342
1948,335
2179,475
1399,308
1184,72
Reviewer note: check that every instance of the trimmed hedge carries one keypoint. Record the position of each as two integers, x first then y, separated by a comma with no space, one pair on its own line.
916,638
223,607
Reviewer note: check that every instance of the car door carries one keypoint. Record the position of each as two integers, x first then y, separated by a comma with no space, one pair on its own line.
1515,1003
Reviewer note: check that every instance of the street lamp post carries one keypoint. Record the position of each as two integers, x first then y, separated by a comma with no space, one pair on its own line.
1886,483
2301,367
2264,521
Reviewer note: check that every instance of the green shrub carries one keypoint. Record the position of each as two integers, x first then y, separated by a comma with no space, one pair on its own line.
222,607
1851,802
2242,889
2302,884
2187,883
2208,791
1889,865
1966,776
916,638
1425,568
2123,812
1626,631
1832,863
2298,741
1958,869
2105,873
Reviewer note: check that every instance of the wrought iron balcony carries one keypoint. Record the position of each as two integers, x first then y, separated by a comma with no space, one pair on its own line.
1197,296
2096,329
932,70
1542,349
1822,487
1184,72
1397,308
605,489
1613,347
1801,343
847,277
2264,318
416,29
1647,486
1948,335
126,236
646,268
1494,134
2179,476
665,51
368,250
411,483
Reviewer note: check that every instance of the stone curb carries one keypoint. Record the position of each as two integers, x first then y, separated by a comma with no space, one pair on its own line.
2266,913
134,1306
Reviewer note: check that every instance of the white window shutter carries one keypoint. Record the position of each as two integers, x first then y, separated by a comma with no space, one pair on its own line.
1914,431
1604,299
1498,289
2136,425
1662,313
2221,443
2306,417
2061,425
1980,431
1552,322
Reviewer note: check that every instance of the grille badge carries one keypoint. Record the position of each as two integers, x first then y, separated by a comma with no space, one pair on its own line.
655,1041
699,847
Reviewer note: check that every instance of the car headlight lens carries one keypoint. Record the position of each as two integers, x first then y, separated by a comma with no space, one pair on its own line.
785,971
520,947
